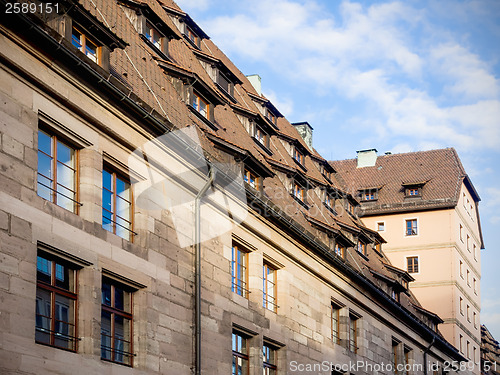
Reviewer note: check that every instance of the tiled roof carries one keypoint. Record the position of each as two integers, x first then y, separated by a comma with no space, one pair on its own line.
439,172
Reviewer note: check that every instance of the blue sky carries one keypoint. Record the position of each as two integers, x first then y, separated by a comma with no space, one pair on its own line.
396,76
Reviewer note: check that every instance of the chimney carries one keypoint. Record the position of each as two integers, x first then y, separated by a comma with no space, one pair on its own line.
367,158
306,132
255,80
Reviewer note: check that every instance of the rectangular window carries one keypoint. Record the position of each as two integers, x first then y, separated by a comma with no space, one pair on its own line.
395,357
239,272
298,156
117,209
468,349
461,233
412,264
468,246
468,313
261,136
468,277
353,339
340,250
474,285
461,338
381,226
224,82
269,287
271,116
56,302
407,356
298,192
474,317
461,300
85,44
200,105
154,36
269,359
362,248
335,311
413,192
116,322
192,36
475,251
461,265
57,175
368,195
240,354
251,179
411,227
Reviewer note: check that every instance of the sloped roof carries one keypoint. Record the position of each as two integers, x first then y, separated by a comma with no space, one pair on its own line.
439,173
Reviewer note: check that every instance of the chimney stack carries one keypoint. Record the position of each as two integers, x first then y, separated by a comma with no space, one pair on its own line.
367,158
306,132
255,80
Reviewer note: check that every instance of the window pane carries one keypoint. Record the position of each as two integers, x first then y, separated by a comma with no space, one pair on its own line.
119,297
107,180
76,38
107,200
65,154
45,165
106,293
122,339
106,335
44,142
122,208
64,277
65,198
122,228
64,319
44,269
122,189
42,318
106,220
43,187
91,50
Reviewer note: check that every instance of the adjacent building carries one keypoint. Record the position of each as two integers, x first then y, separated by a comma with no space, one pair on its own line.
158,214
426,208
490,353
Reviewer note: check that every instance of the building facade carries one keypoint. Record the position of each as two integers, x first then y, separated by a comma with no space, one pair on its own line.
426,207
158,214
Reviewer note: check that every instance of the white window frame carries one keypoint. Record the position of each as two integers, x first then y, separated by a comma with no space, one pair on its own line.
418,227
419,264
383,224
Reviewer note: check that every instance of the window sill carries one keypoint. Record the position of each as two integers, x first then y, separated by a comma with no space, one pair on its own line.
223,90
332,210
302,203
156,49
300,164
203,118
193,44
365,257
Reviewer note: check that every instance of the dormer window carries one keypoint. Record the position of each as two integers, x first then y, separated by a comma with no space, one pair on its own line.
192,37
200,105
251,179
298,192
261,136
298,156
340,250
271,116
224,82
85,44
413,192
362,248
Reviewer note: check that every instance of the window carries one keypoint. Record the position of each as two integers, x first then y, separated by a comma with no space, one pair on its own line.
269,359
395,357
468,246
362,248
56,302
240,354
269,287
413,192
461,338
407,355
350,208
340,250
381,226
353,340
461,235
335,311
468,313
298,192
271,116
251,179
200,105
412,264
192,36
378,247
411,227
57,175
475,251
461,305
474,285
261,136
225,83
474,319
117,207
474,354
468,349
369,195
461,264
239,279
154,36
468,277
116,322
85,44
298,156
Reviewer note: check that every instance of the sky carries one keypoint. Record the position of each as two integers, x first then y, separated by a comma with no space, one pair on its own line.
397,76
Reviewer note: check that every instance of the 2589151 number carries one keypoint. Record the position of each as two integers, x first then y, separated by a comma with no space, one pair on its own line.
16,8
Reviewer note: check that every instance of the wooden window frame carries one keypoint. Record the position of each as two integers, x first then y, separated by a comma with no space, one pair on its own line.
271,116
151,30
298,156
54,181
361,248
269,302
55,290
261,136
411,265
114,175
335,323
192,36
412,229
269,367
114,311
353,333
195,103
340,250
299,192
83,40
247,177
240,353
239,284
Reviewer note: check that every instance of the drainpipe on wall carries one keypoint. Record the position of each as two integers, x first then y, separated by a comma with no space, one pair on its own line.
425,354
197,239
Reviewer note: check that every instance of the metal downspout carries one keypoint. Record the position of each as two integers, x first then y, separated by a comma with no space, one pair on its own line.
197,234
425,354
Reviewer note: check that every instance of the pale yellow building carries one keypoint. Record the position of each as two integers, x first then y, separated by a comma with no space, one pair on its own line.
426,208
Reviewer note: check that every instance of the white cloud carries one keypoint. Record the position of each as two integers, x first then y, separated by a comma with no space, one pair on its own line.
193,4
284,105
373,55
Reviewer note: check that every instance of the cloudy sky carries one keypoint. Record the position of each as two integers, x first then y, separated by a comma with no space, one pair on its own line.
396,76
